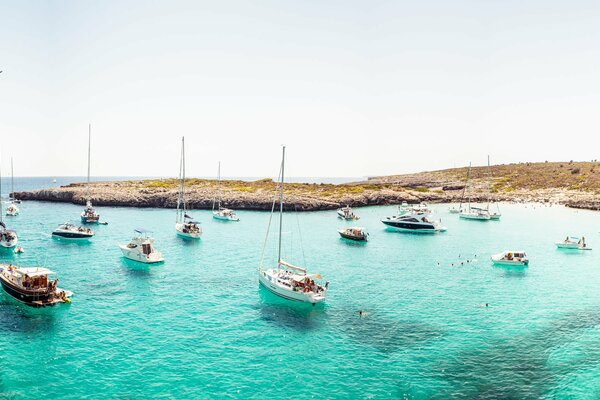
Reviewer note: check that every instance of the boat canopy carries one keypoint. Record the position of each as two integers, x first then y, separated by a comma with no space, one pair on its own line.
33,272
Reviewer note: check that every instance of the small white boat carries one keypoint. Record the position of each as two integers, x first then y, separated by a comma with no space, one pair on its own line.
475,213
347,213
8,237
454,210
141,248
185,226
72,232
222,213
574,243
355,233
12,210
286,280
511,258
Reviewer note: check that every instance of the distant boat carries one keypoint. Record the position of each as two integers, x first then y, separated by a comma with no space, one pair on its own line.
224,214
12,209
89,214
185,226
33,286
511,258
494,215
141,248
53,180
71,231
414,219
574,243
287,280
347,213
8,237
472,212
354,233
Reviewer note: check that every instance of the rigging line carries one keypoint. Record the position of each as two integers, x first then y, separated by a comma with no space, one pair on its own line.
262,256
300,235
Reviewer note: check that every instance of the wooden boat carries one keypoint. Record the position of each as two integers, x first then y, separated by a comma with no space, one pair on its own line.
32,286
354,233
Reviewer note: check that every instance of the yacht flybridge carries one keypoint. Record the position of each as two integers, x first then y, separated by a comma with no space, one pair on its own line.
287,280
89,214
34,286
141,248
221,213
12,209
185,226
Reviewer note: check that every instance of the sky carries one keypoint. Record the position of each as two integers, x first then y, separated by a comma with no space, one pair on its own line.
352,88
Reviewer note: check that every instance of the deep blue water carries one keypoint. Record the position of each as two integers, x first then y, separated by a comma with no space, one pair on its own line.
199,326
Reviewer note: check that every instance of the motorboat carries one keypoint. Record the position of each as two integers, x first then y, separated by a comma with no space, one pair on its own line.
8,237
287,280
89,214
354,233
33,286
185,226
222,213
418,219
72,232
12,209
141,248
510,258
347,213
573,243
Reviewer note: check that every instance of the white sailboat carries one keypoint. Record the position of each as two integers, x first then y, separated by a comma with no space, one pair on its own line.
12,209
224,214
89,214
8,237
470,212
494,215
185,226
287,280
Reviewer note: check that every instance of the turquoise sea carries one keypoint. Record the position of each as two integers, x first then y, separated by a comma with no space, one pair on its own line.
199,326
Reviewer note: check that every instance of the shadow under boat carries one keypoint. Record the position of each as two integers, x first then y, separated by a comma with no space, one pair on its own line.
289,314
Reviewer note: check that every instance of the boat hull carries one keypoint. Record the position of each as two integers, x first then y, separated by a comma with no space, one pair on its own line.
352,237
186,235
475,217
70,236
408,227
33,299
90,220
221,217
267,281
140,257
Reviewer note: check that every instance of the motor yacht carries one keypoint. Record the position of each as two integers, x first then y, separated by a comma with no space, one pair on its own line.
347,213
72,232
141,248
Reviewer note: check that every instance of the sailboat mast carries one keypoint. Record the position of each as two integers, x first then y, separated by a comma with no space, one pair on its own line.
89,153
489,184
12,180
1,208
219,180
462,197
281,206
183,174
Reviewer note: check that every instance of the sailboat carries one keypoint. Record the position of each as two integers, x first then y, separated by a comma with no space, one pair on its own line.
495,215
12,209
287,280
185,226
8,237
221,213
89,214
476,213
454,210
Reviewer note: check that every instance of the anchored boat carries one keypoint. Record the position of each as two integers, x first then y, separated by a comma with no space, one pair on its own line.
221,213
287,280
185,226
141,248
72,232
89,214
12,209
347,214
8,237
574,243
511,258
355,233
35,286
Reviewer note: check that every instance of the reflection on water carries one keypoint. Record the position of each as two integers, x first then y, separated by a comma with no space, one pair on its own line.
286,314
17,317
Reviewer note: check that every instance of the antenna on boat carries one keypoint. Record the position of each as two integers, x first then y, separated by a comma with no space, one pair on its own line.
89,153
12,180
281,206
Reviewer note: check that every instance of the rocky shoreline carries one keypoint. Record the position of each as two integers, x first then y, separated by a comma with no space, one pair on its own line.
259,195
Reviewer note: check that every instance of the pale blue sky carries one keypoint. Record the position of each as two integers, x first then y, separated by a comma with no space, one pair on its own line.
352,88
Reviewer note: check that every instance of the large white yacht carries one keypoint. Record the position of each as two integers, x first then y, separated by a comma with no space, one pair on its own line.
141,248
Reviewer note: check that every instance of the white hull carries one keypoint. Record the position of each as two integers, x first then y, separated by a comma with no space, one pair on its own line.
268,279
8,245
221,217
187,235
140,257
12,212
477,217
499,259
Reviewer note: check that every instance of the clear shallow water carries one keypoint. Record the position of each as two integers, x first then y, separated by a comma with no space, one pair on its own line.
198,326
